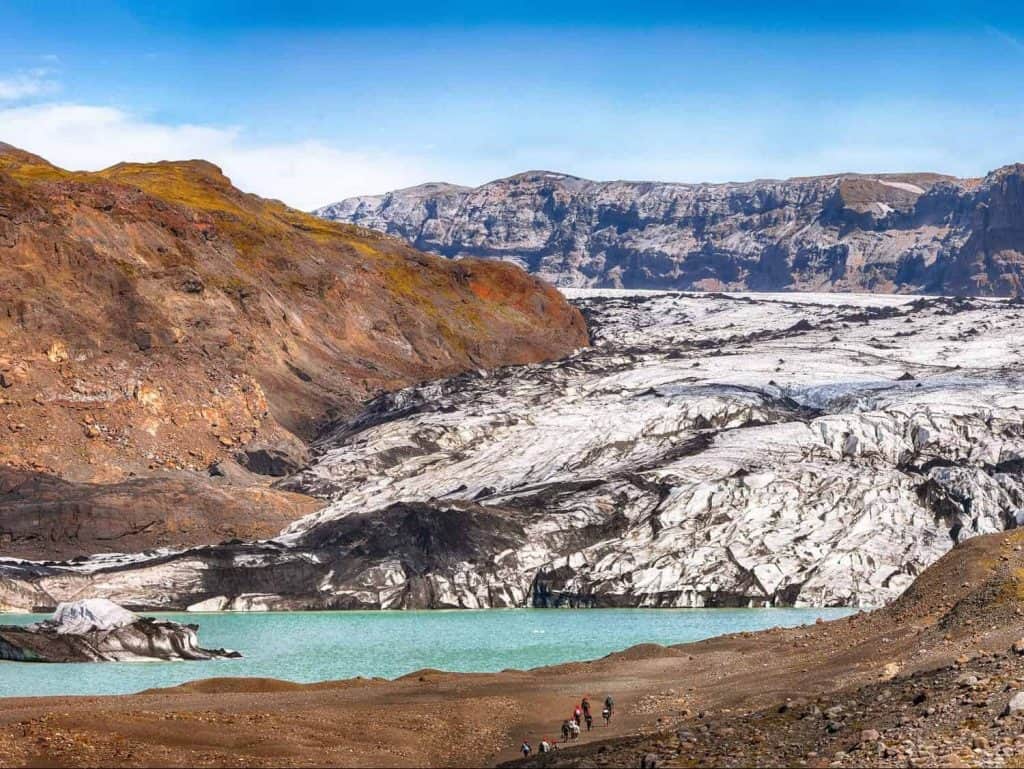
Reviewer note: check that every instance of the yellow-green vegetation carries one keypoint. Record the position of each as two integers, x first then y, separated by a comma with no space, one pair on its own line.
198,185
26,167
272,243
203,186
193,183
1013,589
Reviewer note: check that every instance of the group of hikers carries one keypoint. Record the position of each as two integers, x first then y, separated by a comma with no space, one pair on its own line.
571,727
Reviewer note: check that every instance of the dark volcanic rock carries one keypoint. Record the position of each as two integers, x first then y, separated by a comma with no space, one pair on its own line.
42,516
278,458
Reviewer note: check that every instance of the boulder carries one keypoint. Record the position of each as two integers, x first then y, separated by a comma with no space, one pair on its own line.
967,681
276,458
98,630
1015,705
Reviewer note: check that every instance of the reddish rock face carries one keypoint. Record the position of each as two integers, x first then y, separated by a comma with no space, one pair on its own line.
154,317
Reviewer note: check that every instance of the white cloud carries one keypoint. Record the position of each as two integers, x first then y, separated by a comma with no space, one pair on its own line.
303,174
22,85
720,144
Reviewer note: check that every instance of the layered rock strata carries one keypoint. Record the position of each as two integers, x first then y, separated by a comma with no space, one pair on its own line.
920,232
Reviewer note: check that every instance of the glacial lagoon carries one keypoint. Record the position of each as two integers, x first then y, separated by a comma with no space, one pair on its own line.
318,646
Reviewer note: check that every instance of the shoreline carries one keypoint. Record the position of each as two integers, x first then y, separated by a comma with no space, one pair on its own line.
340,646
953,611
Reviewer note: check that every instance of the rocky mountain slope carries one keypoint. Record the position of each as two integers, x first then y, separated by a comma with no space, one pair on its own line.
154,321
708,450
883,233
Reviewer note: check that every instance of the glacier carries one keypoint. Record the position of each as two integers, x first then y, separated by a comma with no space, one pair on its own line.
707,450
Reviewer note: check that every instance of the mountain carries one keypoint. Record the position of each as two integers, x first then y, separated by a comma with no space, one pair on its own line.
920,232
156,321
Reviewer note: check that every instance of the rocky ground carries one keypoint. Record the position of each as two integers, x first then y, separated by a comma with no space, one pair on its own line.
773,698
920,232
960,715
953,698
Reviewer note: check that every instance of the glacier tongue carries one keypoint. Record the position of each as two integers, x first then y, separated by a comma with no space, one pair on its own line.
708,450
715,449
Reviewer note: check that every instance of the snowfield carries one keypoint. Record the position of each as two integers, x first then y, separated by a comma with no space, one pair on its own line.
708,450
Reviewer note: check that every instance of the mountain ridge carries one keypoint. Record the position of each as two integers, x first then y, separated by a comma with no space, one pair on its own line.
915,232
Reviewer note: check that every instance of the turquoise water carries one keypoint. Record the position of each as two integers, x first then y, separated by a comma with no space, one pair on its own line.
318,646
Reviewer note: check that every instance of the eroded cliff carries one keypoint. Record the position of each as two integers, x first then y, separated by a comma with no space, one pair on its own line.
883,233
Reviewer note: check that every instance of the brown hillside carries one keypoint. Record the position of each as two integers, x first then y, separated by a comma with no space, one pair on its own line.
153,317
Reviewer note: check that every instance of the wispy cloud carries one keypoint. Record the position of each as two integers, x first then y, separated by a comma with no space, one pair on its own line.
1006,37
304,174
22,85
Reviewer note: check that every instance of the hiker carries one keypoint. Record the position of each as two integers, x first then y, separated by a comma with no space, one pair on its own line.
577,715
609,703
586,707
590,721
607,714
544,747
565,730
574,729
526,749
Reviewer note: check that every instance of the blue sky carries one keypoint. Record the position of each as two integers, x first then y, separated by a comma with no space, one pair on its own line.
311,101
